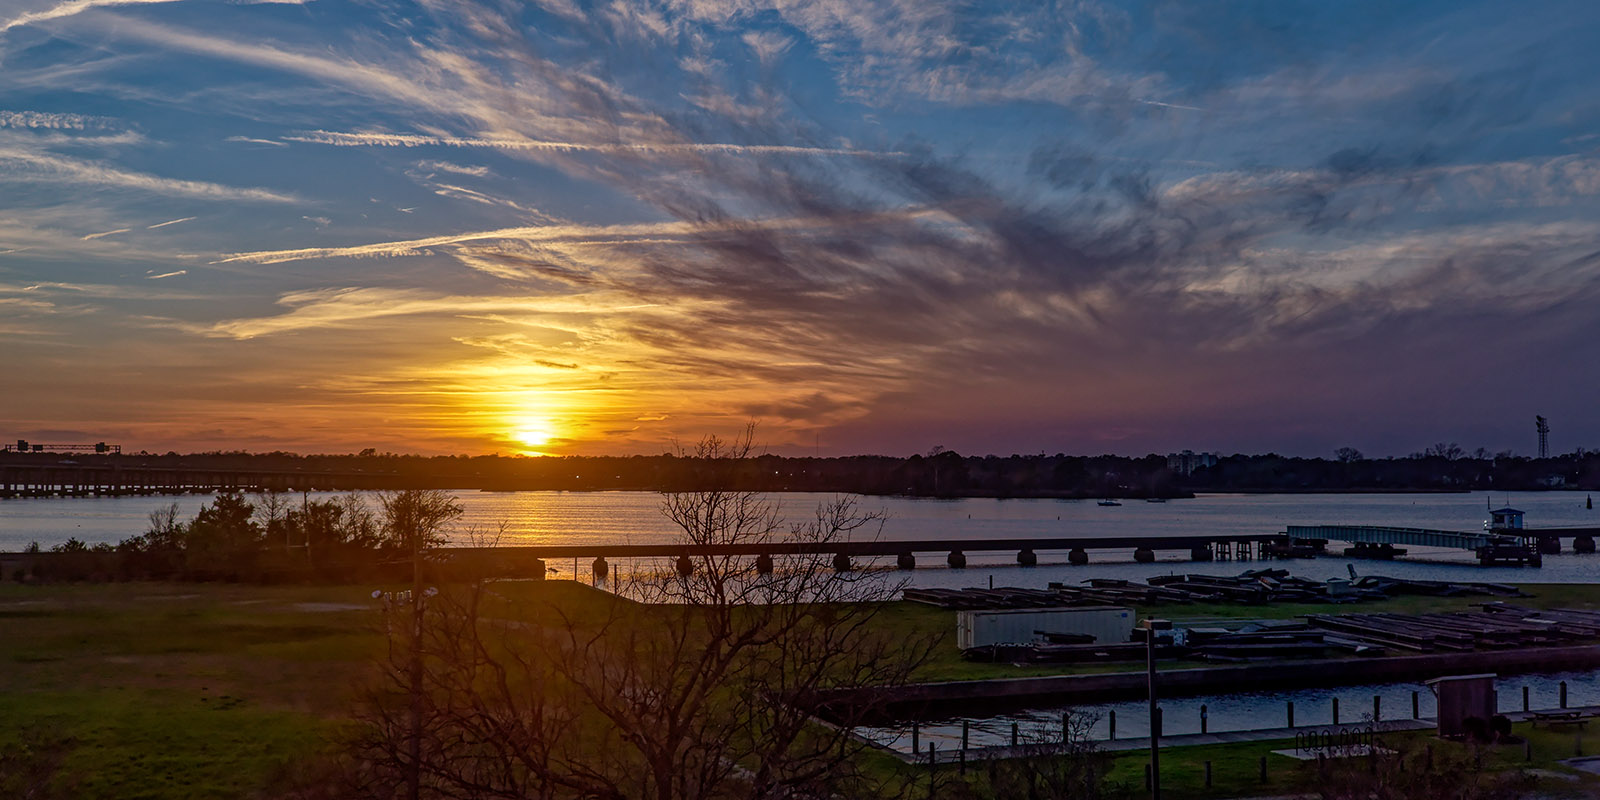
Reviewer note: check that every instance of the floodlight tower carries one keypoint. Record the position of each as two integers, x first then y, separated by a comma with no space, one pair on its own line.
1543,426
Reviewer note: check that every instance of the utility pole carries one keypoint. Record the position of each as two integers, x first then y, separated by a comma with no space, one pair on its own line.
1150,626
1542,425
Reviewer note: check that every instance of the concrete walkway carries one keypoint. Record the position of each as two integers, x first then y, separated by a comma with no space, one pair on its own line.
953,755
1260,735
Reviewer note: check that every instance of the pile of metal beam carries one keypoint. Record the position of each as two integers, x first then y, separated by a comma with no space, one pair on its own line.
980,599
1258,587
1252,587
1497,627
1038,653
1287,640
1396,586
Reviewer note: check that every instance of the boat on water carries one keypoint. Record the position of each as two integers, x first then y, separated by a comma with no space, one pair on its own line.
1155,499
1108,502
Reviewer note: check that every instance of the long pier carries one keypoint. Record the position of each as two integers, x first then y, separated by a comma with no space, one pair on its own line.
1200,548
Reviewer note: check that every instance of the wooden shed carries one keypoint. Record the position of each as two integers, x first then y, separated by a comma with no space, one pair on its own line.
1462,698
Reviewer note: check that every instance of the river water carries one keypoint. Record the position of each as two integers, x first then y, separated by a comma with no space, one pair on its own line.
635,517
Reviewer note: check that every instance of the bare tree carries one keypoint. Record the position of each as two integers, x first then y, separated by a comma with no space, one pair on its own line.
707,680
416,519
270,510
1062,763
1449,451
1416,772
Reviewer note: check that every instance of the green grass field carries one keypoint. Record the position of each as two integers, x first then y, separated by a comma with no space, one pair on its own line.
180,691
210,691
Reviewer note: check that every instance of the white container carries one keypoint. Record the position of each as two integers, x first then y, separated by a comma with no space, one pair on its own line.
1108,625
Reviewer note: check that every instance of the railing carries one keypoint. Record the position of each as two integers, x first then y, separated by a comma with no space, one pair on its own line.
1382,534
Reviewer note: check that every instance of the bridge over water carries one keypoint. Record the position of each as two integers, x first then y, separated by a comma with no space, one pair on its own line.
1200,548
1524,546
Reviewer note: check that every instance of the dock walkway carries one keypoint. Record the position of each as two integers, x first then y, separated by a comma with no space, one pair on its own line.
953,755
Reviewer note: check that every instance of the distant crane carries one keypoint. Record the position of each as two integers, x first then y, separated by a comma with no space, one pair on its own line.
1543,426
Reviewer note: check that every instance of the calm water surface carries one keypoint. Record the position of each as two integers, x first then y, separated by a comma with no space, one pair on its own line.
635,517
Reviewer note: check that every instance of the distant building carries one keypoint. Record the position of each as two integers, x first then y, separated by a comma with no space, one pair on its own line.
1504,519
1188,461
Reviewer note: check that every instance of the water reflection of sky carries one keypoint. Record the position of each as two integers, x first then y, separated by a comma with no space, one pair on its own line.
634,517
1238,711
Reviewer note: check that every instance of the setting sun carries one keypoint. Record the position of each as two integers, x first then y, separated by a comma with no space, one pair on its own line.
533,433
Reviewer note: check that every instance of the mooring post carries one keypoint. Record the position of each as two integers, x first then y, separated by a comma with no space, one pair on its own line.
966,725
1113,719
1416,712
1208,774
1524,697
1065,716
1291,713
916,738
1336,711
1203,714
1563,694
1377,708
933,760
1013,734
1158,720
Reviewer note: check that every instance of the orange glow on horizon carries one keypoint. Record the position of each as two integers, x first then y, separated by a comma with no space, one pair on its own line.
533,433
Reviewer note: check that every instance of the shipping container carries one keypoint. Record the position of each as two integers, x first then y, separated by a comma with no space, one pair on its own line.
1108,625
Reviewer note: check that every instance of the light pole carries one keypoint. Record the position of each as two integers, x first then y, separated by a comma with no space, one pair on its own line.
1151,626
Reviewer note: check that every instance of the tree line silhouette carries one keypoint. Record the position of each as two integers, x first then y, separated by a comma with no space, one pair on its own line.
939,473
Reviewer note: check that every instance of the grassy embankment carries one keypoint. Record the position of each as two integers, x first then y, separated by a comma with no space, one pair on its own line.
201,691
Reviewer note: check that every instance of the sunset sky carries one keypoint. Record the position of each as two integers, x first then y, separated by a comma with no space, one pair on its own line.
551,226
